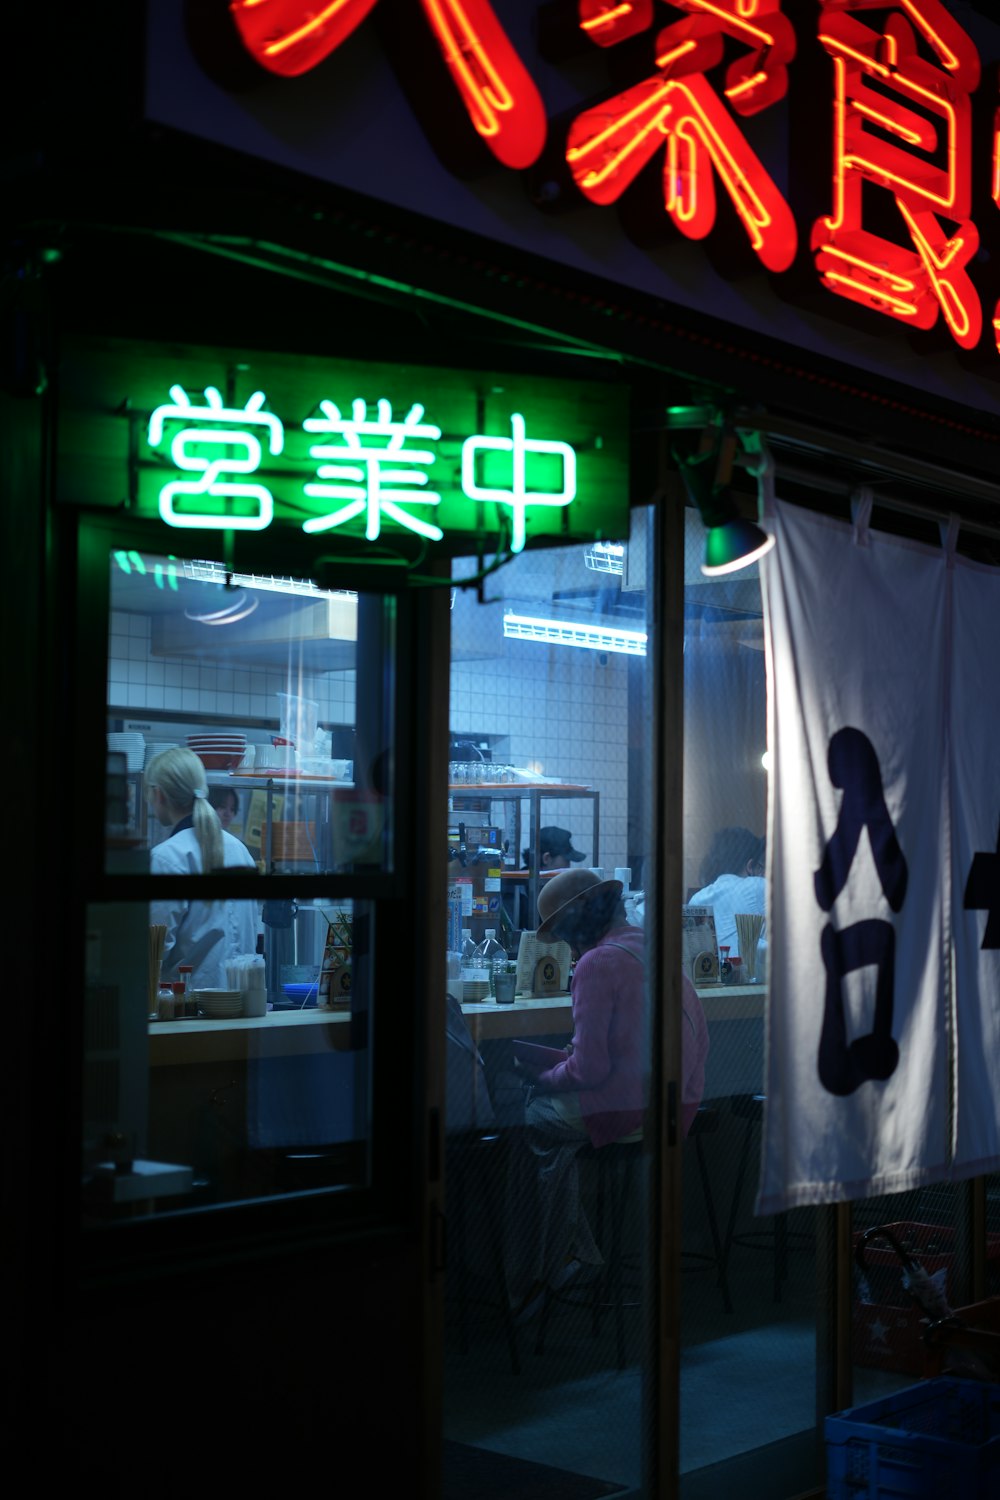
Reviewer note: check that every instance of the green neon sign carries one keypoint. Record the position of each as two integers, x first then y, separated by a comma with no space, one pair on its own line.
212,426
366,466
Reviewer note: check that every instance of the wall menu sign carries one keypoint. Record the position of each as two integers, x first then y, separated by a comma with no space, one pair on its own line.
373,452
882,199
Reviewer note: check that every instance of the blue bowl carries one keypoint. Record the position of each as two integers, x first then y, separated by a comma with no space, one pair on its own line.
302,994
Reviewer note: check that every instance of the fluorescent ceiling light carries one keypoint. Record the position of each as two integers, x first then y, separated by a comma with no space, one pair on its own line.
216,572
563,633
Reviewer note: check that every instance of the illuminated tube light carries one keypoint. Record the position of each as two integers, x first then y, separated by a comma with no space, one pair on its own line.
733,546
561,633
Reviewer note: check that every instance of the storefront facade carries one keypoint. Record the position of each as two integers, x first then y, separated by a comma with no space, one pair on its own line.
248,250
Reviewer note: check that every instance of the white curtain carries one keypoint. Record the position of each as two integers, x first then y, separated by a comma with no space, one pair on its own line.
857,1045
975,759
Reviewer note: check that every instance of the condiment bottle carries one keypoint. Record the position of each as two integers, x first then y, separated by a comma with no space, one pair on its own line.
166,1003
180,1001
187,1002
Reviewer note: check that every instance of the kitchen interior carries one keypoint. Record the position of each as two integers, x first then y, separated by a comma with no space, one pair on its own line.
549,720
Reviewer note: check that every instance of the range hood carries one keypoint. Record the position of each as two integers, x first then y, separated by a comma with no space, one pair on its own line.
257,626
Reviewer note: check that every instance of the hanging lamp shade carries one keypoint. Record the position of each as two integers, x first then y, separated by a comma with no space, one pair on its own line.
734,545
732,541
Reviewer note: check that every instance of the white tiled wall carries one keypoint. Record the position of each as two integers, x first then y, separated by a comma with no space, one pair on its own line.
138,681
565,713
562,710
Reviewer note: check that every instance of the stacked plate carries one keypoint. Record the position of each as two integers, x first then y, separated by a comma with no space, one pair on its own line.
218,752
156,747
132,746
219,1005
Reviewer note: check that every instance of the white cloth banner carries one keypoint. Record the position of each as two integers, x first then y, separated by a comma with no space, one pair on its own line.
975,817
857,1045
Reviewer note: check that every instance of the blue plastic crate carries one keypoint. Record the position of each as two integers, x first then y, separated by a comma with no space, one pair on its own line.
939,1440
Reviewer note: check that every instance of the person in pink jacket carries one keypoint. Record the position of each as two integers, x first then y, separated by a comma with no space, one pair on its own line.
597,1094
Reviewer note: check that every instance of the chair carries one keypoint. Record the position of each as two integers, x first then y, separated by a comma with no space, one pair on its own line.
476,1163
750,1107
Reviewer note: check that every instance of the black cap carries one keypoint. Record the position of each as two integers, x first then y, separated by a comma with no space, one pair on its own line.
558,841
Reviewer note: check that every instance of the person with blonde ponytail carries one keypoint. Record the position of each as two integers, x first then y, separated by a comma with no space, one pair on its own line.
204,934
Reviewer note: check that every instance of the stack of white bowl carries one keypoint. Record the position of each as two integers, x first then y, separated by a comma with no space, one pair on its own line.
219,1005
132,745
219,752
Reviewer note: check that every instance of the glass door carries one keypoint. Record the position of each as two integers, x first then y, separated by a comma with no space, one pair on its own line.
751,1287
550,1302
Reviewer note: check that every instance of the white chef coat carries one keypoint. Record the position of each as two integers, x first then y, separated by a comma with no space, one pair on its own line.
726,896
204,934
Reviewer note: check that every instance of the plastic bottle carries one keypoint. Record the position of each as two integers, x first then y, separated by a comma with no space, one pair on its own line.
487,954
467,970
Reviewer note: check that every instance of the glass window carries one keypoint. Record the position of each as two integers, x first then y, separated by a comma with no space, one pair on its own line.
229,1016
283,691
257,1086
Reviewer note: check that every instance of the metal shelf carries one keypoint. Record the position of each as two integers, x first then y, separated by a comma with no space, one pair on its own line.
534,793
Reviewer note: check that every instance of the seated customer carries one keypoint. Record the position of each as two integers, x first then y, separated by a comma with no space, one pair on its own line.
597,1095
732,880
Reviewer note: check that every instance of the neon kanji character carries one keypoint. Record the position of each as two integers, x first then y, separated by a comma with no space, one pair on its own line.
677,108
290,37
216,426
870,67
517,495
843,1066
372,478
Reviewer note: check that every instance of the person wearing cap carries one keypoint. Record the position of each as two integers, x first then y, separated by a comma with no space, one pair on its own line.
598,1093
556,850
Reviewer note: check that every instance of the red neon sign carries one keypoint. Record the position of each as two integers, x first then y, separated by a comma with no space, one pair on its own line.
884,88
900,100
679,110
290,37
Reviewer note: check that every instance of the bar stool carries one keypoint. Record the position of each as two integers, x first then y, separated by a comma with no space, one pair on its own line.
616,1166
476,1161
706,1122
750,1107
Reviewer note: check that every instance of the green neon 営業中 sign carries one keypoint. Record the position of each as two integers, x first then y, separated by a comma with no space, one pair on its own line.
367,467
372,451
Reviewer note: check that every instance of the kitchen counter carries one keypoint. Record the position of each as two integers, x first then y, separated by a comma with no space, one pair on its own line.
281,1033
287,1033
